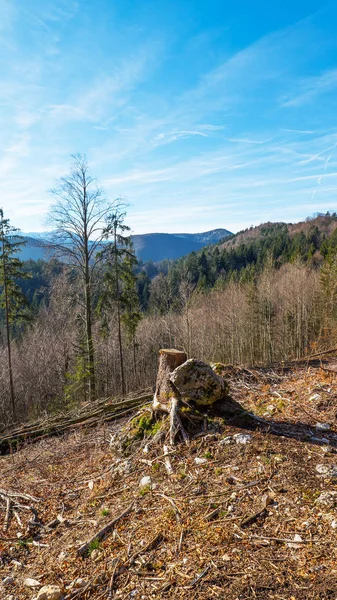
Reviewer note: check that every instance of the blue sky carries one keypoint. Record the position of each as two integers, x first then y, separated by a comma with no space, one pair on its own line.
200,114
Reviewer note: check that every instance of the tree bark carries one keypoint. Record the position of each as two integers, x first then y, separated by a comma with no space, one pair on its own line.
89,338
120,343
8,335
169,359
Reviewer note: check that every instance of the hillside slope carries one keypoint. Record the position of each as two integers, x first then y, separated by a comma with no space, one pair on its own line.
326,225
248,517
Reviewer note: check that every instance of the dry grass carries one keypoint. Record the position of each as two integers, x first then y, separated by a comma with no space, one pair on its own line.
204,551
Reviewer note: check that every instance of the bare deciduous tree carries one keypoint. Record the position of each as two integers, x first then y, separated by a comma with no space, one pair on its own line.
78,219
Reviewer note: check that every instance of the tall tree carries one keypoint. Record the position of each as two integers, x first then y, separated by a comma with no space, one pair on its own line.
119,287
12,299
78,219
131,313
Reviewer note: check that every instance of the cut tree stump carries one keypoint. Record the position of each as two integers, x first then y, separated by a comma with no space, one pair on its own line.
166,398
195,385
169,360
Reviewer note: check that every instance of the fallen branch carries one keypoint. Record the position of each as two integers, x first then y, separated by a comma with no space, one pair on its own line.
168,466
200,576
8,510
103,532
87,416
152,544
175,508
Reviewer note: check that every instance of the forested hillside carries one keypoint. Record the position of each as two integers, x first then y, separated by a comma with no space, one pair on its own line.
267,294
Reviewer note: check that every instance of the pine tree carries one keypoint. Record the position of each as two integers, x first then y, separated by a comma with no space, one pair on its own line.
119,286
131,313
12,299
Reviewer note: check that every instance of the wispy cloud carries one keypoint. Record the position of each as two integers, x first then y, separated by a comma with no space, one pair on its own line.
208,141
248,141
310,88
173,136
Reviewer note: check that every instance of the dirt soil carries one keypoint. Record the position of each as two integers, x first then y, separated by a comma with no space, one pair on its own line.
252,516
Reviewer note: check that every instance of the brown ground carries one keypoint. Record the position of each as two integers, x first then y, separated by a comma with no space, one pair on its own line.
200,555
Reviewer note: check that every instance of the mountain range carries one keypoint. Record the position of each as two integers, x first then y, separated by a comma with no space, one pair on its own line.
148,247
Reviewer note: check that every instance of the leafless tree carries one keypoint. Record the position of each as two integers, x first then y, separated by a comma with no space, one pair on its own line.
78,219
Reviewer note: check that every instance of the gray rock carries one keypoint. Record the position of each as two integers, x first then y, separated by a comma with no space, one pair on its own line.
196,381
8,581
200,461
327,499
31,583
50,592
323,469
145,481
328,470
242,438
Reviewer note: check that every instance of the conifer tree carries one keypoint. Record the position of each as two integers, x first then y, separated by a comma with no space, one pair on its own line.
119,283
131,313
12,299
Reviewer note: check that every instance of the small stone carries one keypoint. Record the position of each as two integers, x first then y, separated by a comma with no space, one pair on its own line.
62,555
226,440
322,469
200,461
17,564
31,583
334,524
296,543
145,481
124,467
322,426
50,592
11,597
8,581
226,558
327,499
95,554
242,438
314,397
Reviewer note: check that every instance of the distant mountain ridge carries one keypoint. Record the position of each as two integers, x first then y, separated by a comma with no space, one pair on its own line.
158,246
149,246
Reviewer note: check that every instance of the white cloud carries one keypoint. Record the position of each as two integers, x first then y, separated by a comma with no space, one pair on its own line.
310,88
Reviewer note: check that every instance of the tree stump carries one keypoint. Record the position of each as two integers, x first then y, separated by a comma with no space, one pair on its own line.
169,359
166,397
184,384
